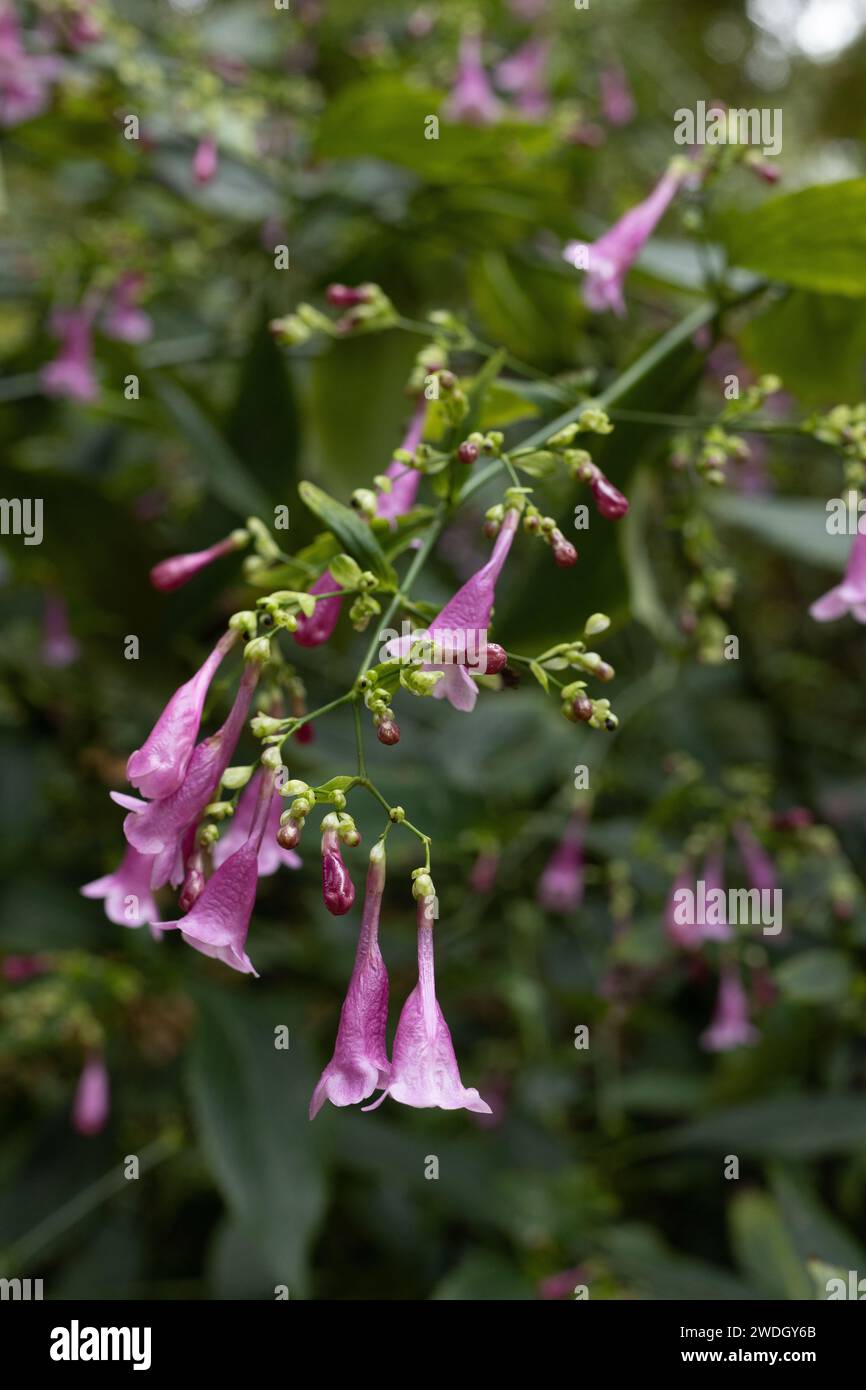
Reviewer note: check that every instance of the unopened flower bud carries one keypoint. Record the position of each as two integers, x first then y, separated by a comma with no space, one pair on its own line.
388,732
564,553
467,452
582,708
343,297
497,657
422,887
258,651
609,500
305,733
289,833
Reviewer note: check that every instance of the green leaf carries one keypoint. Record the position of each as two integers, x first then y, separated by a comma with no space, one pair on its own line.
540,675
764,1249
345,571
814,238
482,1276
804,1126
250,1102
222,472
325,792
815,1232
354,535
816,977
796,526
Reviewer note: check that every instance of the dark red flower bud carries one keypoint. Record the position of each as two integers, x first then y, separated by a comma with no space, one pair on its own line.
564,553
467,452
582,707
289,834
338,890
496,658
305,734
603,671
797,818
342,297
388,732
609,500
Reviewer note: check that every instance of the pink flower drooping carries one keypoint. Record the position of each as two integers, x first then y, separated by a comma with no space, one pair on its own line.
205,161
560,888
424,1070
158,828
730,1026
617,102
313,631
70,373
607,260
25,78
360,1061
523,75
91,1105
684,933
271,854
472,99
760,869
219,920
59,647
124,320
128,899
157,768
179,569
461,626
850,595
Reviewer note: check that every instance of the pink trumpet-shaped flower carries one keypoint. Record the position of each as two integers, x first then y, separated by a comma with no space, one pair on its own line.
850,595
730,1026
158,767
424,1070
607,260
560,888
124,320
59,647
25,78
205,160
482,875
719,928
687,933
461,626
523,75
617,102
472,98
70,373
128,899
313,631
219,920
405,480
338,890
271,854
360,1061
91,1105
158,828
179,569
760,869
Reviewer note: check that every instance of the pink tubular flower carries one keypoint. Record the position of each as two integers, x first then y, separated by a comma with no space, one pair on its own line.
617,102
560,888
313,631
360,1061
730,1026
760,869
686,934
523,75
462,624
482,875
91,1105
179,569
607,260
124,320
424,1070
219,920
271,855
205,160
472,99
25,78
405,480
158,828
714,882
128,899
562,1284
850,595
59,647
157,768
70,373
338,890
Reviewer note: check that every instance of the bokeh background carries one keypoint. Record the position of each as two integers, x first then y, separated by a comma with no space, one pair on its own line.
604,1165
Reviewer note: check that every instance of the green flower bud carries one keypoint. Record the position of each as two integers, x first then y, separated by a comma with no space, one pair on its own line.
597,622
236,777
258,651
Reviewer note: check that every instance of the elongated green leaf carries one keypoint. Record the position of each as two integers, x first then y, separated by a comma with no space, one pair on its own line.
815,1231
814,238
805,1126
354,535
764,1248
796,526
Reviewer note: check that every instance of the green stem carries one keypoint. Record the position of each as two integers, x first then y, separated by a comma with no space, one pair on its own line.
359,737
420,560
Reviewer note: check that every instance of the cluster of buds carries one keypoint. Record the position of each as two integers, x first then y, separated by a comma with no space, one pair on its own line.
444,387
534,524
353,580
338,890
477,444
844,427
610,502
377,700
423,886
292,821
428,361
699,620
579,708
365,307
267,552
